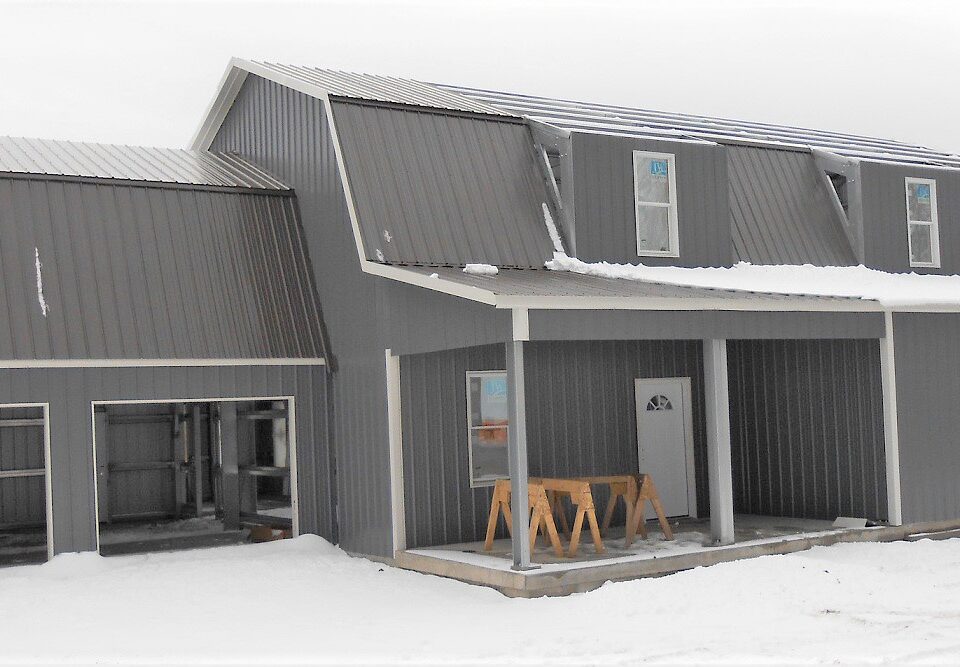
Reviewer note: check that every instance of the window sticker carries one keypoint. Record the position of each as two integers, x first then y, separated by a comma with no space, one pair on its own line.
658,168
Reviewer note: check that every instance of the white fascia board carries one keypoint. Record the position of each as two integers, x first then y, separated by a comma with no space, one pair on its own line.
143,363
661,303
436,284
230,84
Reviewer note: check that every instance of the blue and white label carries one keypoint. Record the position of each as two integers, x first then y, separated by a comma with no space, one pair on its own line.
658,167
923,193
495,388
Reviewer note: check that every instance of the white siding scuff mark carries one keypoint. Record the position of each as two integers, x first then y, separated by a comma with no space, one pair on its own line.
44,308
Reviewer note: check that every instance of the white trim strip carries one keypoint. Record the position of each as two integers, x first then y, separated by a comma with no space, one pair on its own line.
435,284
230,84
891,429
521,324
395,438
144,363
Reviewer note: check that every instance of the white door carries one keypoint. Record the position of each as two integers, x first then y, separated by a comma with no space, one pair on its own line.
665,443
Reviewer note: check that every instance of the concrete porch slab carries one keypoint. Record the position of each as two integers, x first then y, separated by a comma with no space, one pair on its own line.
757,536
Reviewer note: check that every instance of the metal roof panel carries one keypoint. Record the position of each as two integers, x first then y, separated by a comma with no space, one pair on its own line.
49,157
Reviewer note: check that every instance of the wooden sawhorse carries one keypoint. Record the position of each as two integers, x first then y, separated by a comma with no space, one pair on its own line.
635,523
541,518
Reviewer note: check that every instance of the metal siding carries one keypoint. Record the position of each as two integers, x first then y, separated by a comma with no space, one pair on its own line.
781,211
19,155
928,384
604,196
286,133
71,391
885,217
627,325
580,421
447,189
134,272
806,422
143,491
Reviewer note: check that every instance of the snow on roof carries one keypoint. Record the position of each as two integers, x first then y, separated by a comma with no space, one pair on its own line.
858,282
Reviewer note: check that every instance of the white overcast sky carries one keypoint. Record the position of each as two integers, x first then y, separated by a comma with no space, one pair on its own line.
144,72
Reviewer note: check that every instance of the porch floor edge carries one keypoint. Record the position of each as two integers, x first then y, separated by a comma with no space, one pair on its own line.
536,583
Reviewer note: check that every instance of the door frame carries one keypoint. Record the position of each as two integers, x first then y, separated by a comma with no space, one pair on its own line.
687,391
47,467
291,439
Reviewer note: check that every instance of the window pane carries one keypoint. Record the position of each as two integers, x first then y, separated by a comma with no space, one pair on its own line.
918,201
653,229
489,455
488,400
921,244
652,180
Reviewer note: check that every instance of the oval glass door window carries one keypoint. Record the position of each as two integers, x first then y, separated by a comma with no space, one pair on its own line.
659,402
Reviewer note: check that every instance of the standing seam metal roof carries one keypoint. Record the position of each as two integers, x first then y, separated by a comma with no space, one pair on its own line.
23,155
587,116
384,89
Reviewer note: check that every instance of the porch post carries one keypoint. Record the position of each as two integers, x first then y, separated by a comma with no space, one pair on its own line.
517,444
717,400
891,434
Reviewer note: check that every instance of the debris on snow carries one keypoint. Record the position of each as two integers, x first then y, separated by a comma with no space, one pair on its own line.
552,230
481,269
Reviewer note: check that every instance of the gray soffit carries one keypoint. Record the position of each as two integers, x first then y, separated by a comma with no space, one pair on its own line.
620,120
378,88
780,210
19,155
129,272
442,189
510,287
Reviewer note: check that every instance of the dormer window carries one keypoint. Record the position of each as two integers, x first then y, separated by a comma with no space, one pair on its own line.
655,196
923,232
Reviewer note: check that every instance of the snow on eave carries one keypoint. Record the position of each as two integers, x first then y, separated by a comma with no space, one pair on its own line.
893,291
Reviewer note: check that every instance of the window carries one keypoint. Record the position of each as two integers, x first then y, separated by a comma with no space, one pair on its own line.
923,234
487,426
655,196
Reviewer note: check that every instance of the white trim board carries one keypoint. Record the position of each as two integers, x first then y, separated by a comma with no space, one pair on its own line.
152,363
395,438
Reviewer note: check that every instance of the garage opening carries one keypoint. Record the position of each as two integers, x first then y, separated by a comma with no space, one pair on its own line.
24,481
183,475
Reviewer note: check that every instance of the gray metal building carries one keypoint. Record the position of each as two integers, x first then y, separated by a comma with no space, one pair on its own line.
146,277
369,196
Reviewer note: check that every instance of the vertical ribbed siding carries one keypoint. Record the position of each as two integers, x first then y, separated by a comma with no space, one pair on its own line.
285,132
445,188
885,216
70,393
581,420
605,214
781,210
928,387
153,272
806,421
146,439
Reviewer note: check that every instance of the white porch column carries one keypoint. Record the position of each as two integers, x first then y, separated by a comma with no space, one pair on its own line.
517,442
891,434
717,400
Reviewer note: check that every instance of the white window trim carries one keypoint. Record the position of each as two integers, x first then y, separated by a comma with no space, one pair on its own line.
474,484
933,223
673,226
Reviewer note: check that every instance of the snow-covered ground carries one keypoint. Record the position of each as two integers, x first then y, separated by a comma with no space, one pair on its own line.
303,600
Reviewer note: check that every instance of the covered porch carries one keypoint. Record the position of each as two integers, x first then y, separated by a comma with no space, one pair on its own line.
760,425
